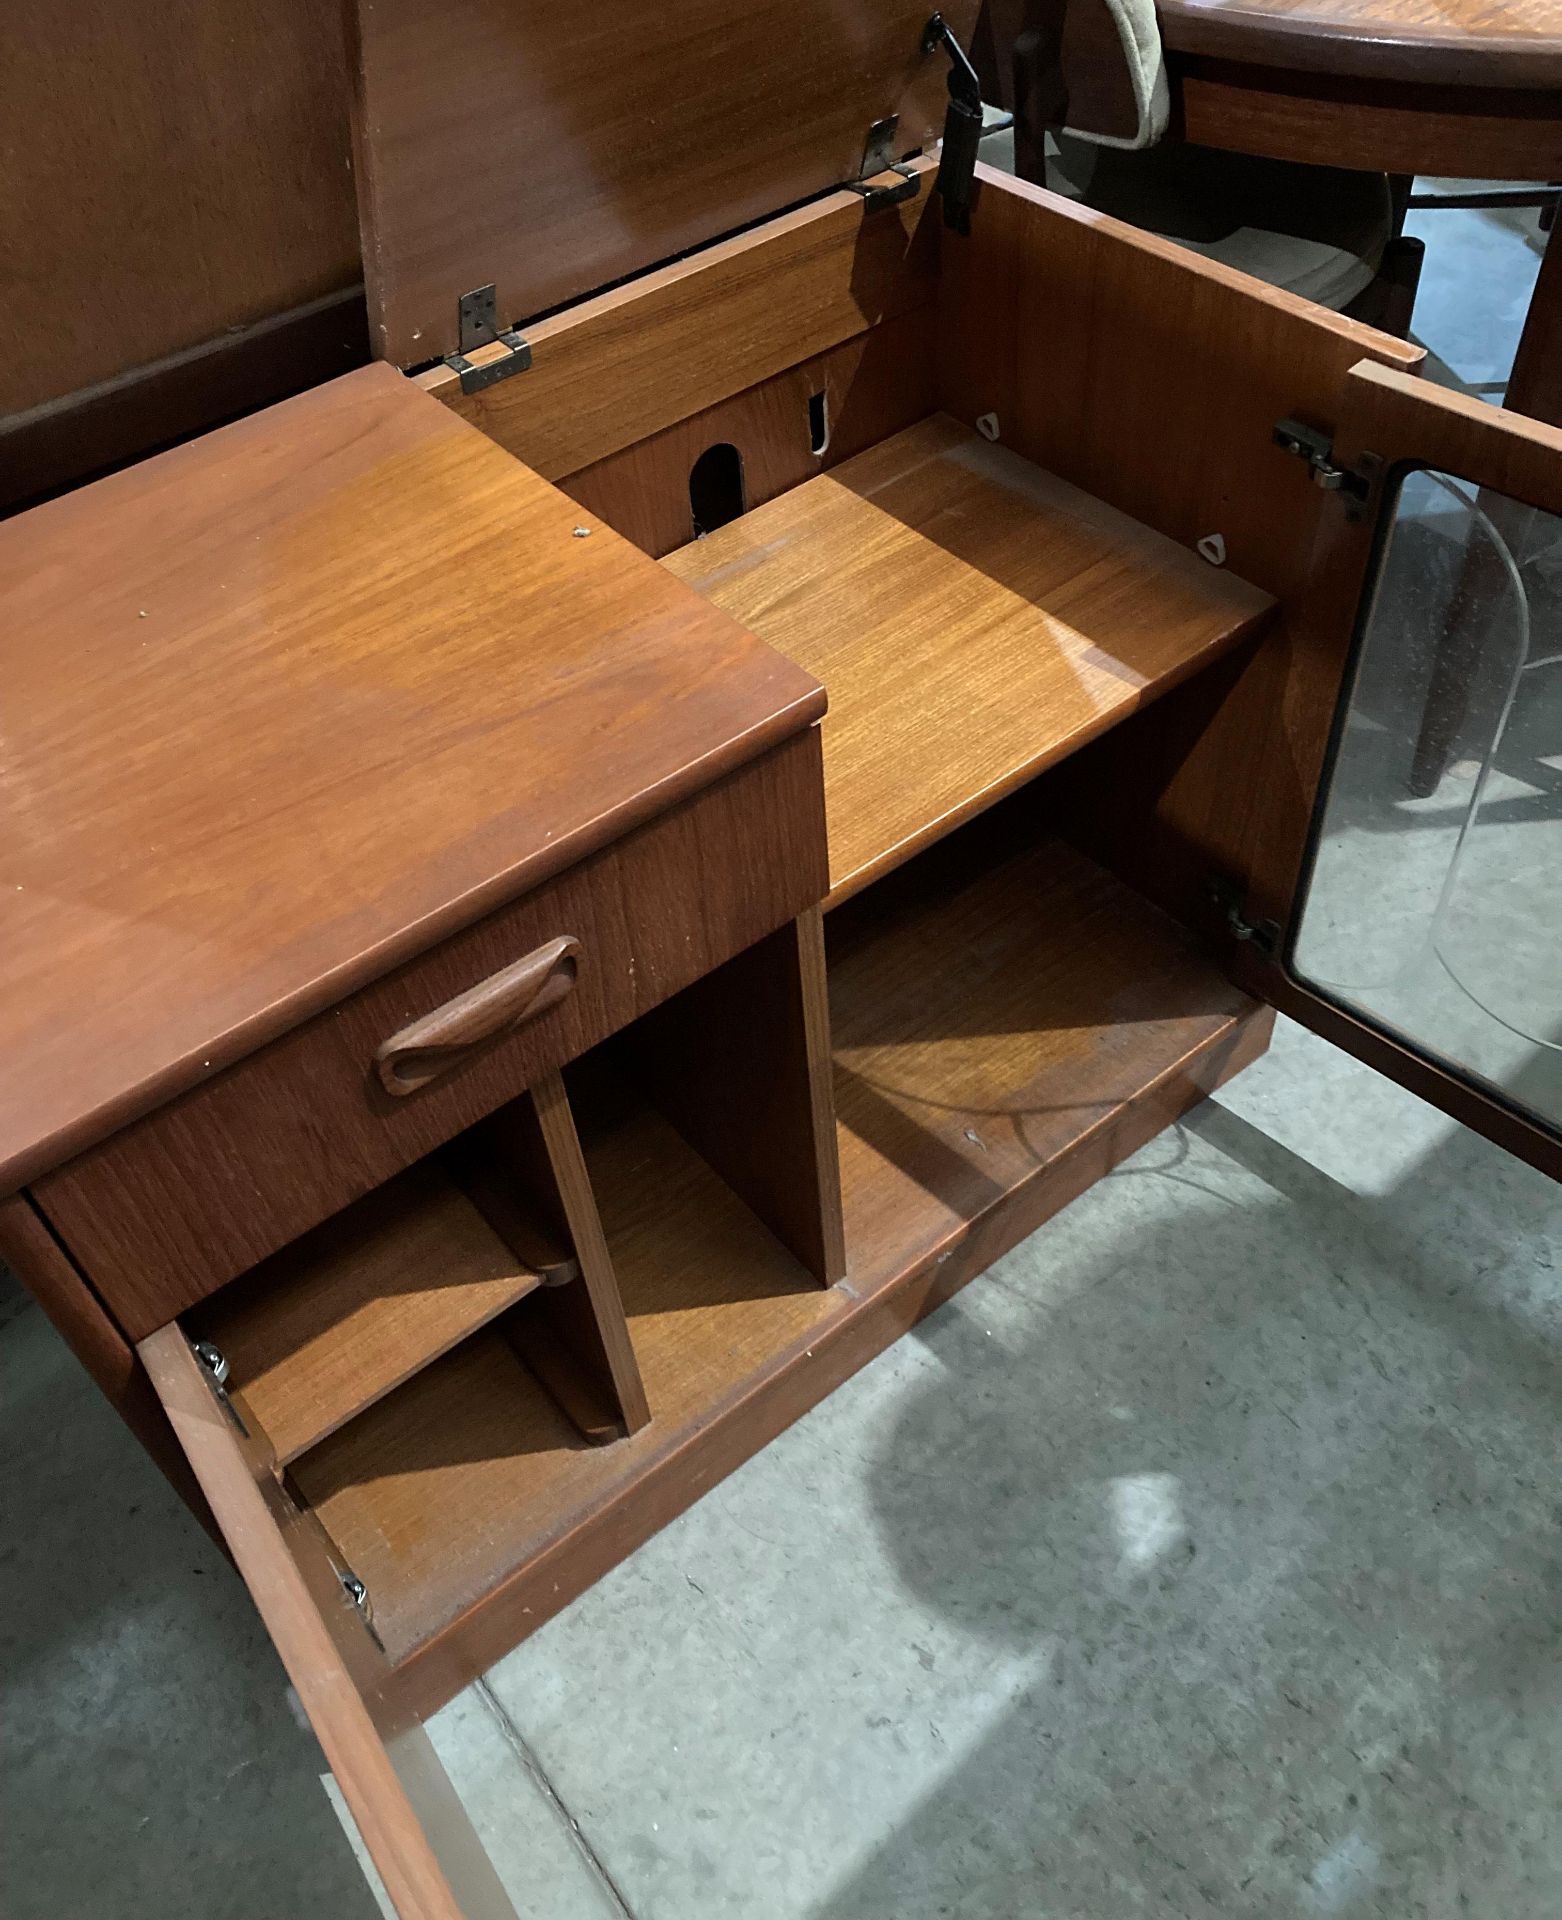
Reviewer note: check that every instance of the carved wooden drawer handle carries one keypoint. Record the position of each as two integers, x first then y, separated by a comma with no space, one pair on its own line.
442,1039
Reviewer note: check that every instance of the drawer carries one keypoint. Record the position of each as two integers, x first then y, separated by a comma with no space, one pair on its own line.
170,1208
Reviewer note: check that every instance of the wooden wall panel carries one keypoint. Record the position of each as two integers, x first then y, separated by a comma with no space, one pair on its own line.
167,173
551,150
613,370
873,386
1153,378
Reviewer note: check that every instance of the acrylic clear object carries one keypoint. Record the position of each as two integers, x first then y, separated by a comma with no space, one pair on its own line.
1439,919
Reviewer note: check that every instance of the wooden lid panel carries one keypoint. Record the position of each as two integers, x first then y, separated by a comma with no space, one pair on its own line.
553,150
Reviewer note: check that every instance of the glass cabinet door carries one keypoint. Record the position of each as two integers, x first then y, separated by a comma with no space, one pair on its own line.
1430,906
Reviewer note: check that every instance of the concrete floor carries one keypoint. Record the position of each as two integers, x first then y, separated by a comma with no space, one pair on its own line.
1203,1557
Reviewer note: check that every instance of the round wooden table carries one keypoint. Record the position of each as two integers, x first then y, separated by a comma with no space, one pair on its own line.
1470,88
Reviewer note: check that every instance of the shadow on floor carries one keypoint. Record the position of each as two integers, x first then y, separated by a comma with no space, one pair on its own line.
152,1764
1282,1532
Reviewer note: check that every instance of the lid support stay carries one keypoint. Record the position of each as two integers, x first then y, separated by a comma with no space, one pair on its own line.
962,125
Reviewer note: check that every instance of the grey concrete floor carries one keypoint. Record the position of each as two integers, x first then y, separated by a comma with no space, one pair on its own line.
1204,1557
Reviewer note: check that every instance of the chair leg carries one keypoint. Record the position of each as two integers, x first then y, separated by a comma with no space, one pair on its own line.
1400,278
1399,186
1389,303
1455,657
1039,102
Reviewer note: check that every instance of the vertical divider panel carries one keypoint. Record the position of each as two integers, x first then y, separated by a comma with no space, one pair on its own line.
524,1171
740,1063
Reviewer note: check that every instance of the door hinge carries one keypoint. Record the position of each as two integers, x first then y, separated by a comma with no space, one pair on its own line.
477,319
1355,485
1264,934
214,1364
213,1359
878,158
357,1592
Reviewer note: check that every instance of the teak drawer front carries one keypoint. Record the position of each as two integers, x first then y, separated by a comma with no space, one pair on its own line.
168,1210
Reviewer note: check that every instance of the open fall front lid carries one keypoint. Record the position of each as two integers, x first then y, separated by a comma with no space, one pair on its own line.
551,150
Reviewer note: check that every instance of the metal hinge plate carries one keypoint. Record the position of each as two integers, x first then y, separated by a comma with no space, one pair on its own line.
878,158
477,315
1264,934
1355,485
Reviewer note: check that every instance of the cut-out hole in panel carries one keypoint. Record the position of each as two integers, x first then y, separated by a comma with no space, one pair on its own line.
819,423
716,488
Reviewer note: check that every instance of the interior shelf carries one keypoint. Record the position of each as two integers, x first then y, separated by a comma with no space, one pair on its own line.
1022,1028
1019,1029
342,1317
438,1493
973,618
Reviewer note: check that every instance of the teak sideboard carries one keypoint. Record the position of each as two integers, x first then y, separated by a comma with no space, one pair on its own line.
558,900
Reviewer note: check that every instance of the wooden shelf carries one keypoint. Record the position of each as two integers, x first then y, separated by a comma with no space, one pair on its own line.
471,1470
1003,1040
973,619
335,1322
1004,1043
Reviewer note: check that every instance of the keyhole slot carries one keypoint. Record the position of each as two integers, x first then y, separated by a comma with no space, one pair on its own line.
716,488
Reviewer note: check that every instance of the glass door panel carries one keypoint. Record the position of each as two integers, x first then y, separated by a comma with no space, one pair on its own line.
1432,903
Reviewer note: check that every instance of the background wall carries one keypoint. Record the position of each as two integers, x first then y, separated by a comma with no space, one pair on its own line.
173,175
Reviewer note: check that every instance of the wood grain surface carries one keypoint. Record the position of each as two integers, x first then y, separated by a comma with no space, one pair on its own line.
589,1317
613,370
973,618
740,1063
292,702
554,151
1474,43
79,436
1535,384
38,1261
470,1504
399,1796
171,173
1162,380
334,1323
1162,377
984,1029
871,387
1403,422
437,1495
168,1208
1447,127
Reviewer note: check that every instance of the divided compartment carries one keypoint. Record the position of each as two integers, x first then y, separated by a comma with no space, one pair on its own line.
495,1231
436,1365
1010,1021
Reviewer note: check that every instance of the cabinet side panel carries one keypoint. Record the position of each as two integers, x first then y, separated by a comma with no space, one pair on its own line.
1154,378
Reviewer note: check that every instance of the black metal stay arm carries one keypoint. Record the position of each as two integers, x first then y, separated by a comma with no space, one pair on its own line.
962,125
